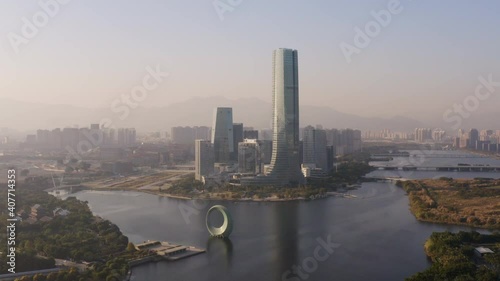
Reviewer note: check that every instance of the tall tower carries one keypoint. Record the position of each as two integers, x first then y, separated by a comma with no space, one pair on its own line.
222,134
285,163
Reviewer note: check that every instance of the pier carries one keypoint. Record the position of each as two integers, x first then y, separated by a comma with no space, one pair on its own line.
164,251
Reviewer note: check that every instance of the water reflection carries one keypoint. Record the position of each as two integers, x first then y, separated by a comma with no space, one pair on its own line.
286,239
220,249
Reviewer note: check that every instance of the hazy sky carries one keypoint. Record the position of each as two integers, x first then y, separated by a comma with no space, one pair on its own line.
91,52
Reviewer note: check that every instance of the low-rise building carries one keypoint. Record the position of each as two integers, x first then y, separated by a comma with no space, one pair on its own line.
482,251
60,212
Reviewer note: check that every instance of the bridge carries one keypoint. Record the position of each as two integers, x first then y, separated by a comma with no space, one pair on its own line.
441,168
423,155
65,187
386,179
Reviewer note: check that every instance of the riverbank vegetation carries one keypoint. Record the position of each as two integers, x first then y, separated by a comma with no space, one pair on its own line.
77,237
474,202
188,187
453,258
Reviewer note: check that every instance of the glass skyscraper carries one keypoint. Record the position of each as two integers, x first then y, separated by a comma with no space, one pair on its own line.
222,134
285,162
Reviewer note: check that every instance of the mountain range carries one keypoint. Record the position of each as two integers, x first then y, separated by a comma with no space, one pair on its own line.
252,112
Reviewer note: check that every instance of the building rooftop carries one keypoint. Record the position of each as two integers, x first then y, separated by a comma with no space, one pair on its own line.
483,250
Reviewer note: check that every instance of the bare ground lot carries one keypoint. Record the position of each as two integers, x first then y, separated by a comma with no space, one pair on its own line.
460,201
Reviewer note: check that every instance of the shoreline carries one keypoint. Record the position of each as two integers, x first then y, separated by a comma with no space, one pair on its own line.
283,200
180,197
425,196
490,229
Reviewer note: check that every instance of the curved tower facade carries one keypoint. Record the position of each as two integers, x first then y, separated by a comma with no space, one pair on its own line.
285,162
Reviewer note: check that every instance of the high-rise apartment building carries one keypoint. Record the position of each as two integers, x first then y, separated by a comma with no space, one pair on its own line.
126,137
423,134
473,138
314,147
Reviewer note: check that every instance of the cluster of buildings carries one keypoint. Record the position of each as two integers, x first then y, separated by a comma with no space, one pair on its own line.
388,135
40,214
239,154
88,138
231,148
423,135
484,140
188,135
419,135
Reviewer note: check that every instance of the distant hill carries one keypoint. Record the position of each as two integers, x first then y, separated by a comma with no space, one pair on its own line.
23,116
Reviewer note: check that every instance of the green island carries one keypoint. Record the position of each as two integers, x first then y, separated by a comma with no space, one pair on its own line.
93,249
470,202
454,257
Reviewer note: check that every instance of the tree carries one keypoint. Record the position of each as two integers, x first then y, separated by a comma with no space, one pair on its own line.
84,166
39,277
131,247
52,276
69,169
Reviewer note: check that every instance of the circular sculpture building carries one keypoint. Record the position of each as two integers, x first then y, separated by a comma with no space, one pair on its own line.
227,227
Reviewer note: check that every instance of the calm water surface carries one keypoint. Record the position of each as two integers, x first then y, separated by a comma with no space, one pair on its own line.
378,237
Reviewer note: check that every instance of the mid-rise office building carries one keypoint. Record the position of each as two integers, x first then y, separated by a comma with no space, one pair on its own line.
204,159
237,138
187,135
249,157
251,134
266,151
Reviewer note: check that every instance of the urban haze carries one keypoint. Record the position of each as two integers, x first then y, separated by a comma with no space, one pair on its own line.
249,140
